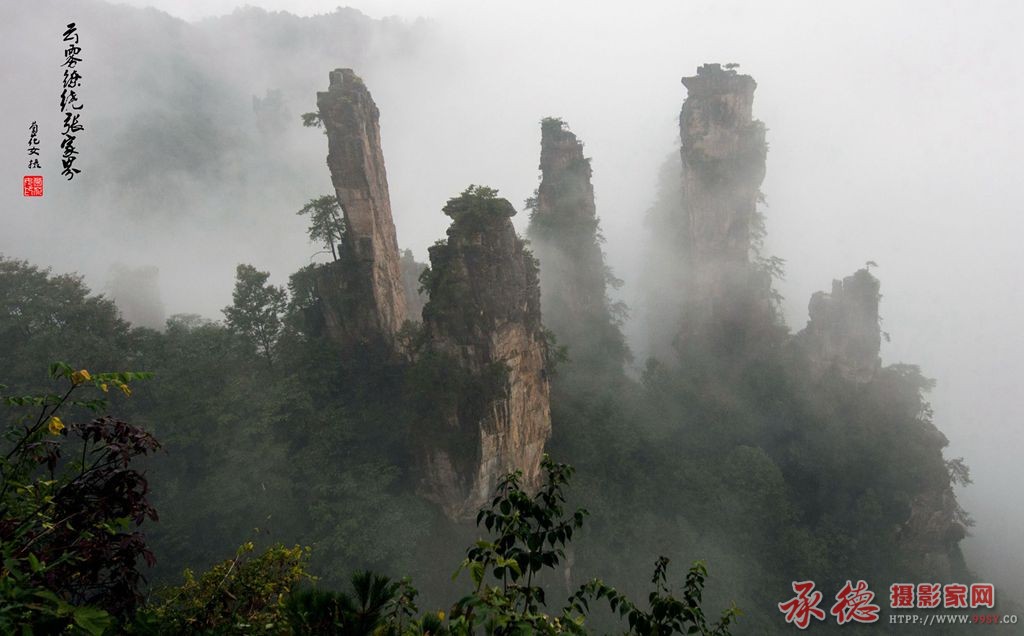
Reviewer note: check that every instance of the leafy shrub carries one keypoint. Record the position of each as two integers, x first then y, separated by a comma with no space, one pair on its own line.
70,506
376,604
243,595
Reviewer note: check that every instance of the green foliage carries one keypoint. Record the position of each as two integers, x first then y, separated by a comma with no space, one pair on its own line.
478,193
959,473
262,594
69,506
476,208
257,310
316,612
243,595
556,354
326,224
305,451
46,317
745,461
531,532
312,120
666,613
376,605
553,123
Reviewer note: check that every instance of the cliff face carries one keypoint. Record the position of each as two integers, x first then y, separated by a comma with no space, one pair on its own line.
723,164
564,235
483,358
933,531
414,299
843,332
932,523
363,293
843,337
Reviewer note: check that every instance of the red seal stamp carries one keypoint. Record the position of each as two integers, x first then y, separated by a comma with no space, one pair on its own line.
33,185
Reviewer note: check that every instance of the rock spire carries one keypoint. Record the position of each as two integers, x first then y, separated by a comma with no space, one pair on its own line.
363,292
483,361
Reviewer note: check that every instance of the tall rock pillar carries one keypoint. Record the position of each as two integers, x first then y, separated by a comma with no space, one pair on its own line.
727,296
482,369
565,238
363,292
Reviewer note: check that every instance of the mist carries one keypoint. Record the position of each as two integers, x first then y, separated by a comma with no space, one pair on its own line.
893,137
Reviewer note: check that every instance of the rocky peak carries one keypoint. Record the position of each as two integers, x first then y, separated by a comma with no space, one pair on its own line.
722,94
723,164
485,262
723,153
564,235
565,172
484,345
843,332
363,291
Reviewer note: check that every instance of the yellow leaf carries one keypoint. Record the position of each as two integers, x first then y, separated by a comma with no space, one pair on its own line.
55,425
79,377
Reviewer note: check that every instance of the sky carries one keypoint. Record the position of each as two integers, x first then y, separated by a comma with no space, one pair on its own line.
894,136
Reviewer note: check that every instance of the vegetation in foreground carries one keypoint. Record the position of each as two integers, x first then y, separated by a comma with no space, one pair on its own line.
73,503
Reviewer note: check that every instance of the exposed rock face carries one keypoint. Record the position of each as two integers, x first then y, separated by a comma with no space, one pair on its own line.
726,295
843,332
414,299
363,292
935,523
932,531
484,346
564,235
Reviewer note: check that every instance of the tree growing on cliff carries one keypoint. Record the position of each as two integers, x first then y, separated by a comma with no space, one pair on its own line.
326,223
257,310
313,120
